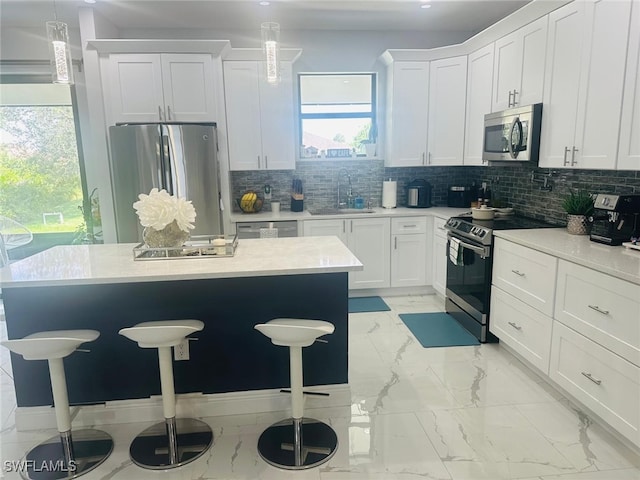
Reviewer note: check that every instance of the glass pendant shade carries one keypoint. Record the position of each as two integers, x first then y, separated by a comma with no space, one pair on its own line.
59,52
271,47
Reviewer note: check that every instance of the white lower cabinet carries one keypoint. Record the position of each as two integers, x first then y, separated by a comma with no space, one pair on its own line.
521,327
368,239
579,326
408,251
604,382
439,256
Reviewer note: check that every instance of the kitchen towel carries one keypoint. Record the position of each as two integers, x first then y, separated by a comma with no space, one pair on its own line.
455,251
389,193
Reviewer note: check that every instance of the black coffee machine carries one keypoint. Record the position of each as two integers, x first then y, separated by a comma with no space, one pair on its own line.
419,194
615,219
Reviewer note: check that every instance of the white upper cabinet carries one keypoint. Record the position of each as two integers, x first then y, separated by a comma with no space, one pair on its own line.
583,86
479,87
447,101
519,66
407,114
260,117
629,151
161,88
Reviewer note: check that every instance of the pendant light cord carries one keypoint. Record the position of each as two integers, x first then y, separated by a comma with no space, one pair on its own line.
55,10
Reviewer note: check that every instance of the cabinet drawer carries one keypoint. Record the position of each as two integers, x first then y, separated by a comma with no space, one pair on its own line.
603,308
600,379
522,327
526,274
400,226
438,226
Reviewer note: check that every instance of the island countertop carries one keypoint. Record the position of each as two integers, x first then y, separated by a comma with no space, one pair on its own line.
113,263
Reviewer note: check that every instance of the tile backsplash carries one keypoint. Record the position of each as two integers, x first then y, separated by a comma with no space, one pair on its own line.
518,185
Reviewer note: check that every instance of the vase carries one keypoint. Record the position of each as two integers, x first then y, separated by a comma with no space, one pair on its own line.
370,149
170,236
578,225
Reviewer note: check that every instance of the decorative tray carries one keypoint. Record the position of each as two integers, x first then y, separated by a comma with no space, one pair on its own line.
198,246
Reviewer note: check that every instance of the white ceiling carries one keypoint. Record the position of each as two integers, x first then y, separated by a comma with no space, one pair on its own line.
469,16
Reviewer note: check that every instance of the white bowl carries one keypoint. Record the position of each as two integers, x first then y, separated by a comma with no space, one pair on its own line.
486,213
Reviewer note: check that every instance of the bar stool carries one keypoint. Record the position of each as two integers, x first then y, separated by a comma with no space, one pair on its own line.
63,455
171,443
296,443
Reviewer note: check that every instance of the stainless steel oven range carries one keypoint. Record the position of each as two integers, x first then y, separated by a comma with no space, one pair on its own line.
469,264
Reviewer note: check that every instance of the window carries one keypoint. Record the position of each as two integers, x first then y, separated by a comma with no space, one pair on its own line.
40,182
337,114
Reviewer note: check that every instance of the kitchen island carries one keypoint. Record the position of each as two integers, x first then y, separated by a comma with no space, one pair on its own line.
101,287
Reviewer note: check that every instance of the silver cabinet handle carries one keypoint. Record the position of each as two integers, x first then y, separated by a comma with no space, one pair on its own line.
159,112
510,93
588,375
429,160
598,309
566,152
515,92
168,112
517,327
344,226
266,162
413,225
520,274
573,156
258,161
351,226
423,162
395,243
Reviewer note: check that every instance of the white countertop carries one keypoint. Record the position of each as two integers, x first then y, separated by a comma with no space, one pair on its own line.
442,212
615,261
113,263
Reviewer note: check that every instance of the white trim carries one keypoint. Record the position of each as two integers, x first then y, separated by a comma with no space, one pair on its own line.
188,405
106,46
256,54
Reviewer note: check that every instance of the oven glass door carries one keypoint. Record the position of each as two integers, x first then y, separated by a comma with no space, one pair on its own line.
469,279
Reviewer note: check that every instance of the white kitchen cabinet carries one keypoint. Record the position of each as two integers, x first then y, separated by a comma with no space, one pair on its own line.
606,383
161,88
368,239
260,117
479,87
521,327
408,251
519,66
439,256
447,102
584,77
629,149
407,114
526,274
604,308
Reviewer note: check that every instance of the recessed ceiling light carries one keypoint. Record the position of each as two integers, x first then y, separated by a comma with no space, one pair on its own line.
425,5
265,4
89,1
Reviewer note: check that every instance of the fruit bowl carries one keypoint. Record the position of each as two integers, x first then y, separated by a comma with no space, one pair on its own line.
250,202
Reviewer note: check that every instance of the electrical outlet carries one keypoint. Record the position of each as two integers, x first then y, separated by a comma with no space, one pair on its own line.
181,351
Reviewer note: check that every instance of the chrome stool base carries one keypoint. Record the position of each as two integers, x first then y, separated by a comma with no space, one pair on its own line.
86,449
171,444
297,444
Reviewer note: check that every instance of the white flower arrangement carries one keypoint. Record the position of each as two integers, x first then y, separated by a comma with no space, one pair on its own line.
159,209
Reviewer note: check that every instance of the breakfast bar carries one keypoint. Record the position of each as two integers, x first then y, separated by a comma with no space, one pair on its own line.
101,287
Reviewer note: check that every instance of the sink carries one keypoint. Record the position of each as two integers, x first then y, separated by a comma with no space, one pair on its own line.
340,211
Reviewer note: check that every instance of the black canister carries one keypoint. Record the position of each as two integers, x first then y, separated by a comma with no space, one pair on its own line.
419,194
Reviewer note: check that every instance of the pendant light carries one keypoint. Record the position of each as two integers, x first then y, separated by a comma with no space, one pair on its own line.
59,50
271,48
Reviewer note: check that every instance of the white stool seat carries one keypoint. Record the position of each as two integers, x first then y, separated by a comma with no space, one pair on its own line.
52,344
167,333
294,332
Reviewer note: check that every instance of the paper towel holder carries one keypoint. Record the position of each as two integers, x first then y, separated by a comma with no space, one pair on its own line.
389,193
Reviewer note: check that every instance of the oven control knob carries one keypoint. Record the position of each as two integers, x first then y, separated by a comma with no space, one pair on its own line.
482,233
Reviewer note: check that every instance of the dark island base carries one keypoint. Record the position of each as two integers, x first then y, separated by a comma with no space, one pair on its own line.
229,355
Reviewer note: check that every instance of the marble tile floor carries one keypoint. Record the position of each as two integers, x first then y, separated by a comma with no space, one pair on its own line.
459,413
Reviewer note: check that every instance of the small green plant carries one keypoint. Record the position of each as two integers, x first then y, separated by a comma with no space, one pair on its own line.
578,203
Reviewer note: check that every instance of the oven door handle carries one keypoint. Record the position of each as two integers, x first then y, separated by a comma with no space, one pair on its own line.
482,251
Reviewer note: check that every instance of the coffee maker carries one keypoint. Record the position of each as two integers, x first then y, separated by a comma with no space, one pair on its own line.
615,219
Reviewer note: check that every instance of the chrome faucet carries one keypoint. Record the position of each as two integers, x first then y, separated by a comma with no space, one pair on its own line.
342,173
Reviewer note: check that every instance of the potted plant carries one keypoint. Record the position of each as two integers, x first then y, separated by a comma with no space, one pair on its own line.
370,142
579,208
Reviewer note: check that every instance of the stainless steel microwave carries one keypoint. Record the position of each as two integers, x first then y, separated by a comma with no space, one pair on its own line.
513,135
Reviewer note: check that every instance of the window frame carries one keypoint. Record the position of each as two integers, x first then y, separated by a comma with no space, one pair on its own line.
373,115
